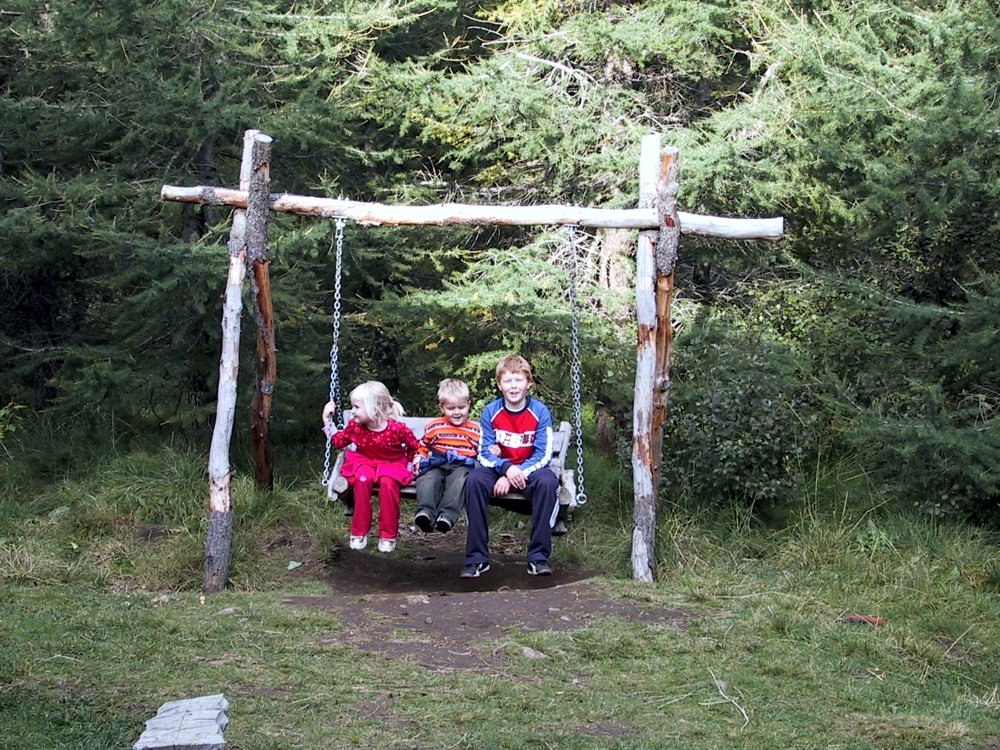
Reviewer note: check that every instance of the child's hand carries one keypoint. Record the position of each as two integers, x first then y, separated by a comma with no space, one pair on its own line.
494,450
516,477
501,487
328,411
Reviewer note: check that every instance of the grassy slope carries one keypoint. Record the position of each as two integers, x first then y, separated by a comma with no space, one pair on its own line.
100,627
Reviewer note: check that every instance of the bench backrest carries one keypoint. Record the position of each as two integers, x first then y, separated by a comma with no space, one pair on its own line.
560,437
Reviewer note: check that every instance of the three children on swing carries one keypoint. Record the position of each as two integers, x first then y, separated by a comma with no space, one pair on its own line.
456,461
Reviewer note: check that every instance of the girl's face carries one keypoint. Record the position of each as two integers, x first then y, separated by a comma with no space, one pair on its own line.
361,413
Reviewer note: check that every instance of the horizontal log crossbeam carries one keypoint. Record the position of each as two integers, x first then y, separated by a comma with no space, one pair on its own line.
465,213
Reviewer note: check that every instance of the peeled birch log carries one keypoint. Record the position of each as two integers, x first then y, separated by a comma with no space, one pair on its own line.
465,213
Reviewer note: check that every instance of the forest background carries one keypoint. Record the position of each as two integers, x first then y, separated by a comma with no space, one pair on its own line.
866,339
832,442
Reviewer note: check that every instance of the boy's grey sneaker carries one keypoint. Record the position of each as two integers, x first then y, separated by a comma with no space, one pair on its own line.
539,568
443,525
474,570
423,521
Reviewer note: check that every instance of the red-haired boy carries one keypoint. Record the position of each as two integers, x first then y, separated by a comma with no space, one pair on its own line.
514,454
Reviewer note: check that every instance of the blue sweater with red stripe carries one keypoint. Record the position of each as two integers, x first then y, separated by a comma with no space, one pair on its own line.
524,437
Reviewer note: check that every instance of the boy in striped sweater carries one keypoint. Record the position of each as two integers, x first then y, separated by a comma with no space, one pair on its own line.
447,452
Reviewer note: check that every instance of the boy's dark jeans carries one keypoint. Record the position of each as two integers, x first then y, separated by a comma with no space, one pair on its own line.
440,491
541,493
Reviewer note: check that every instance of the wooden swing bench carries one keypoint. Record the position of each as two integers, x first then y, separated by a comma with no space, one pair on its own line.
338,489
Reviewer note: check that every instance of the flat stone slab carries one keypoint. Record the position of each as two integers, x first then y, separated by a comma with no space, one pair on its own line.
217,719
187,724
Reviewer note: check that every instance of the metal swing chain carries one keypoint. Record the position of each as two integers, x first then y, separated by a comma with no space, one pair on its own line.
335,348
581,495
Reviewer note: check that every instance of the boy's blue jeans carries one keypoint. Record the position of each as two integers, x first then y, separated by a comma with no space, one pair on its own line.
540,492
440,491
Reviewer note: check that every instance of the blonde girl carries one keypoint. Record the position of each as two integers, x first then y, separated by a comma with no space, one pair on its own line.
384,450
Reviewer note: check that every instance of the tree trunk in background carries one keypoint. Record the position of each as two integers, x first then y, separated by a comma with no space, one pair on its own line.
616,245
607,436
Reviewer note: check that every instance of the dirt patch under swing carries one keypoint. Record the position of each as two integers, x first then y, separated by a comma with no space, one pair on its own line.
412,604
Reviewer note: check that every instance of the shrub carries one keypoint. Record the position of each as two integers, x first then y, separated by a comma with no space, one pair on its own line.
739,421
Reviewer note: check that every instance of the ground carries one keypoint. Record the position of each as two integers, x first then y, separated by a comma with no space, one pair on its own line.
413,604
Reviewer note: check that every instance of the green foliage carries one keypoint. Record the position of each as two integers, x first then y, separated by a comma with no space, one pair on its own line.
909,390
740,419
110,314
937,441
942,464
8,423
870,129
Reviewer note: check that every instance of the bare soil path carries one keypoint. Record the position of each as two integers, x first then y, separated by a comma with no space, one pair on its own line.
412,604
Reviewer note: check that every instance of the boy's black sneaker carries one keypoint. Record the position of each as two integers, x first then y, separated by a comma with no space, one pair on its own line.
423,521
443,525
474,570
539,568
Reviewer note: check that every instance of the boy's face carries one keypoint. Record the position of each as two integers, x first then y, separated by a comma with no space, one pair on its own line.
455,410
514,387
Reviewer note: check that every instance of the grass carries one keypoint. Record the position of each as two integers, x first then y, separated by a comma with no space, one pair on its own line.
102,620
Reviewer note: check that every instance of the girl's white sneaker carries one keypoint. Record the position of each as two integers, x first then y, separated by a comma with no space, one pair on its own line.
359,542
386,545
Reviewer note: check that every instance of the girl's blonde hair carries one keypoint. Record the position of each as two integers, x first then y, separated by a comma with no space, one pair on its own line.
378,402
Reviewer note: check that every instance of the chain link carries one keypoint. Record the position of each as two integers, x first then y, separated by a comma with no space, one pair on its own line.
581,494
335,348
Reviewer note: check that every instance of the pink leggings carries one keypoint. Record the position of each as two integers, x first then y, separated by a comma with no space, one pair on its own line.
388,504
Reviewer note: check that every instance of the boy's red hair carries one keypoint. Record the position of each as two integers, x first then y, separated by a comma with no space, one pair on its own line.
514,363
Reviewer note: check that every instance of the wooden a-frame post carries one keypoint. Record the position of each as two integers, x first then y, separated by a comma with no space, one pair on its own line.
655,257
660,226
267,352
247,236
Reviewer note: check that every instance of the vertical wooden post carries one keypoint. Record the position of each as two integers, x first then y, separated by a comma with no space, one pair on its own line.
644,530
666,258
220,510
259,194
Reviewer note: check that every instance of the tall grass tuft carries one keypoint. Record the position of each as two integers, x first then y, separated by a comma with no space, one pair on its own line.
30,562
163,487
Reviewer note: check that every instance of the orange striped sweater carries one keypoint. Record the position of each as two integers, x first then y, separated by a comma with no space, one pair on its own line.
441,436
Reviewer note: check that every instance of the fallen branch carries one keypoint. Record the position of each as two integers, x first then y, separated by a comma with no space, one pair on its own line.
721,687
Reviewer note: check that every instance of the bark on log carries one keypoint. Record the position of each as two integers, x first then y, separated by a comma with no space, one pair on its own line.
267,371
267,368
644,530
644,217
664,343
667,245
217,547
220,526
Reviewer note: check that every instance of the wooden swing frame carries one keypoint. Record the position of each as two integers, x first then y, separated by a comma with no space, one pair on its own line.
660,226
